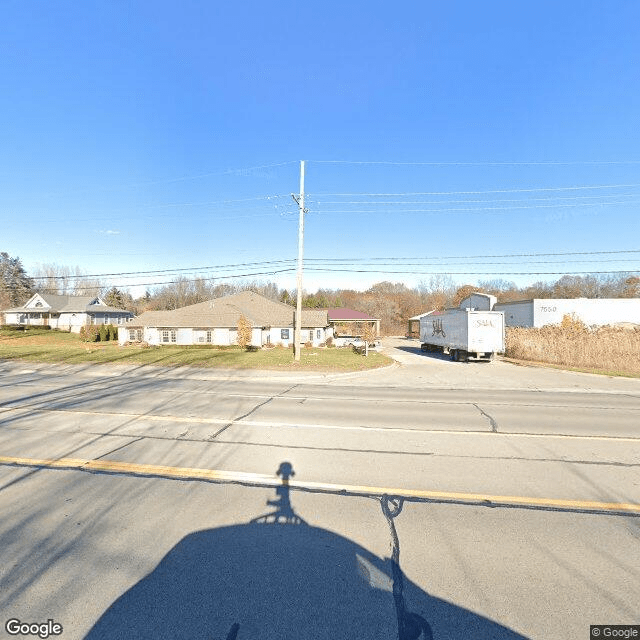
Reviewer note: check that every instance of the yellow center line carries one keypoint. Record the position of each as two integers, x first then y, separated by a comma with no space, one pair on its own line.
263,480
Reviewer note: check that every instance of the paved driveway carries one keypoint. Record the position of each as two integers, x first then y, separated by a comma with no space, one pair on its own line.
417,369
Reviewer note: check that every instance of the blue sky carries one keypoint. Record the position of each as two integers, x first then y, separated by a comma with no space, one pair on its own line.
147,136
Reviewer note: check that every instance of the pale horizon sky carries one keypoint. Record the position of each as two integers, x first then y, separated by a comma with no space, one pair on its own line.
149,136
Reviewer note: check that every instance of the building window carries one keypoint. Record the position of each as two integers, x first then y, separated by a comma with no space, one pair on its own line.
173,335
132,335
268,338
139,335
165,335
284,334
209,336
318,334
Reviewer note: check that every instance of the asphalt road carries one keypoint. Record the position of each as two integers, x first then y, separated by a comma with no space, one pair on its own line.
145,502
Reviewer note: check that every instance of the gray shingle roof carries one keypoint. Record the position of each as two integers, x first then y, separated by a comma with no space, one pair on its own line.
226,311
67,304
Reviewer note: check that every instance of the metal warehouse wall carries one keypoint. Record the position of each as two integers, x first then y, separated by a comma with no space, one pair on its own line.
540,312
516,314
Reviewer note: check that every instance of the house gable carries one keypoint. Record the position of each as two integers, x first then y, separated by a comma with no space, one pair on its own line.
37,303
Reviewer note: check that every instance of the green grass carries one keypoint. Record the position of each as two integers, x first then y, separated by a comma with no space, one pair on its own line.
40,345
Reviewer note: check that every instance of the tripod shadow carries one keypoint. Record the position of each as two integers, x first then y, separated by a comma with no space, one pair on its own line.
284,513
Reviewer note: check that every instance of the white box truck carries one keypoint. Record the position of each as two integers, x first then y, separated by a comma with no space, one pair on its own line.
463,333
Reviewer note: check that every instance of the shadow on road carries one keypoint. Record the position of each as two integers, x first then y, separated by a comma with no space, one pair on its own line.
278,577
415,350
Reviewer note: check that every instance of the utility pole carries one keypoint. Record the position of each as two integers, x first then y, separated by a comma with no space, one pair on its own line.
298,319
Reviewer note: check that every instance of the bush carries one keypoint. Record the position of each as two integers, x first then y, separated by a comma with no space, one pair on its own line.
308,344
330,341
89,333
104,333
113,332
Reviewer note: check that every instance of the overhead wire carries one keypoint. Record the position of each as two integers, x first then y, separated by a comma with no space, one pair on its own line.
490,163
340,260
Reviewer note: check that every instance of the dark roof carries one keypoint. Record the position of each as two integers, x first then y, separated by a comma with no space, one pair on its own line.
342,313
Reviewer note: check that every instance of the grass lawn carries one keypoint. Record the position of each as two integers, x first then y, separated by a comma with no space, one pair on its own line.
41,345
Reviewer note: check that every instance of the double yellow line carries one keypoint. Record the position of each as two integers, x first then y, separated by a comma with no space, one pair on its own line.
261,480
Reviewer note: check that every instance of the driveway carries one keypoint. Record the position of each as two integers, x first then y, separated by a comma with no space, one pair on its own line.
416,369
411,368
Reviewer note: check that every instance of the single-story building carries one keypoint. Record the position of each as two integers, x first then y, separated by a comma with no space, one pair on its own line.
341,316
413,324
215,322
65,312
539,312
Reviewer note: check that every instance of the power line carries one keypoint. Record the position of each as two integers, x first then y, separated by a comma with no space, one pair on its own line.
473,273
365,271
159,271
504,255
225,172
496,210
281,262
449,193
480,164
467,201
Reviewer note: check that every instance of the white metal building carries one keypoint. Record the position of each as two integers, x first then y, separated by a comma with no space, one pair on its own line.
539,312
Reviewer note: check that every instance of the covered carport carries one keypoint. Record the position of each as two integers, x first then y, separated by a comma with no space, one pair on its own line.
413,324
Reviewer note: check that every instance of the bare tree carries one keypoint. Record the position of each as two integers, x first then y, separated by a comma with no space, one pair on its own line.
64,281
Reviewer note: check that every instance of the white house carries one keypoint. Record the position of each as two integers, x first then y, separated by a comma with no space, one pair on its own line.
216,322
65,312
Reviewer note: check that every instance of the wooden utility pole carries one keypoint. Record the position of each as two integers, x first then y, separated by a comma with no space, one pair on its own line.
298,320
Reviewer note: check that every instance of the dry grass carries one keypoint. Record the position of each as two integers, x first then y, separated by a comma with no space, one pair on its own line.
571,344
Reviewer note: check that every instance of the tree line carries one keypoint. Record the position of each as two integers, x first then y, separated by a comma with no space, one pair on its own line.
391,302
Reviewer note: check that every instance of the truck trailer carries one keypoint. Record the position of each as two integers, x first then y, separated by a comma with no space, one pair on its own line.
465,334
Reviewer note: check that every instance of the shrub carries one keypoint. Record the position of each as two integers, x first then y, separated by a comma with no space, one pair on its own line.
244,332
89,333
104,333
93,334
308,344
330,341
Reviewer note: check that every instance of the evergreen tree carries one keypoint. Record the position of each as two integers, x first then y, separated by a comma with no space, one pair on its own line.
115,298
16,287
